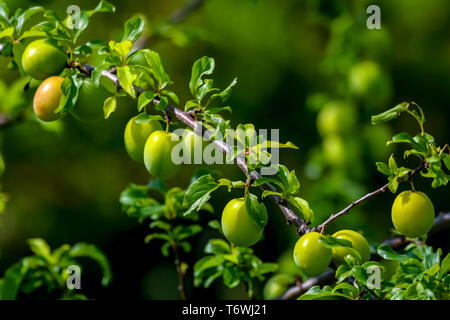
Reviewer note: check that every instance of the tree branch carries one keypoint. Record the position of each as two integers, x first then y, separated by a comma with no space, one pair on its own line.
382,189
441,222
199,129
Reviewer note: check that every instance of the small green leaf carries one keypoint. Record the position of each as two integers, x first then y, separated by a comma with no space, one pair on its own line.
145,98
203,66
126,79
383,168
256,210
199,193
390,114
133,29
388,253
109,106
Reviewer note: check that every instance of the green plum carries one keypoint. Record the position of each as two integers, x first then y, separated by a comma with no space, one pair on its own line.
136,135
158,154
41,59
238,226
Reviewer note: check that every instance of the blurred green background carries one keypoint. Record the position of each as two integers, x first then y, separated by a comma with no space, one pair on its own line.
291,57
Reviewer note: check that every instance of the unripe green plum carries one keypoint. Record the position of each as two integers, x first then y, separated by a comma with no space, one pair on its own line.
89,105
412,213
311,256
41,59
336,117
286,264
193,146
368,80
238,226
136,135
359,243
277,285
46,99
334,149
158,154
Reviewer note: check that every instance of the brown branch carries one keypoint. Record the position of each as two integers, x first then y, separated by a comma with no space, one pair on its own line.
382,189
441,222
189,120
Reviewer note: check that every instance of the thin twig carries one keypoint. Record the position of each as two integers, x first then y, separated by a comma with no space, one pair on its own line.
382,189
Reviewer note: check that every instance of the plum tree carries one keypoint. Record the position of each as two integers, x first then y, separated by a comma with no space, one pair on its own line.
310,255
47,98
136,135
238,226
359,243
42,59
412,213
158,154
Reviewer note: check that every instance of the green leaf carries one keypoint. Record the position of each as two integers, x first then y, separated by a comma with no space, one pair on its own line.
121,48
388,253
445,265
133,29
7,33
154,61
109,106
405,137
203,66
256,210
214,224
103,6
217,246
393,184
329,241
303,207
41,248
4,13
207,263
70,88
390,114
23,18
224,95
231,277
199,193
171,95
90,251
162,104
13,278
383,168
267,193
145,98
126,79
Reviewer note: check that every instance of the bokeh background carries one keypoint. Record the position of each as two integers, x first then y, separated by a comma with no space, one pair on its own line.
291,58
